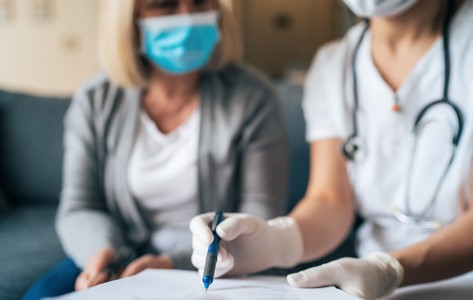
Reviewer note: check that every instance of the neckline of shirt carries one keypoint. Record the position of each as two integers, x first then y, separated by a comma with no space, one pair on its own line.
181,131
415,75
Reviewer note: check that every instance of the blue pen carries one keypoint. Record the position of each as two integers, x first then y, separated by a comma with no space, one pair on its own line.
212,253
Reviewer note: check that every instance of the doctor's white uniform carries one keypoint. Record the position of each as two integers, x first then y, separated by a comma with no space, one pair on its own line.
380,171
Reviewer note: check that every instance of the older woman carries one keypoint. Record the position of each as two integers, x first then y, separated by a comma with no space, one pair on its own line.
174,129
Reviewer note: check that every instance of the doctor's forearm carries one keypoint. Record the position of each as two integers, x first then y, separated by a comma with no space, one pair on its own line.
327,212
323,225
446,254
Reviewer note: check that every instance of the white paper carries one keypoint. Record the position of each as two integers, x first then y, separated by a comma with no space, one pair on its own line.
179,285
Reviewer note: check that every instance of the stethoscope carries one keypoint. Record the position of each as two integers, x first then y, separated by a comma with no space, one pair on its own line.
351,145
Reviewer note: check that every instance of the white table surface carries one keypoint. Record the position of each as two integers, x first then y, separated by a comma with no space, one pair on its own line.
458,288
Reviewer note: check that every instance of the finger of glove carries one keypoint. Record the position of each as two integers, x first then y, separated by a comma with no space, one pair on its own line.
331,274
225,263
200,229
199,247
235,226
198,261
200,250
324,275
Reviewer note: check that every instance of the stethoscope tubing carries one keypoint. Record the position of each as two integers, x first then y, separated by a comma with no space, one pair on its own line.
351,145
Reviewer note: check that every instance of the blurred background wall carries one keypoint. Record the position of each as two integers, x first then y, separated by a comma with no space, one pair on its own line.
50,46
47,46
282,35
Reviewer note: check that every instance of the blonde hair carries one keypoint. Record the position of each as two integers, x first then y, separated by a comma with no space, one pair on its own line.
119,49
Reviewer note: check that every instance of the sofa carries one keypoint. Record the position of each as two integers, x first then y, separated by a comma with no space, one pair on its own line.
31,152
30,180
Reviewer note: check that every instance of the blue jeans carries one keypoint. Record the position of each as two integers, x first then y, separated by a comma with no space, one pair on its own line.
58,281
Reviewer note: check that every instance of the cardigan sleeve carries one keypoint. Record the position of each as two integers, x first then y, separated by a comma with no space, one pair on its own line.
83,223
264,162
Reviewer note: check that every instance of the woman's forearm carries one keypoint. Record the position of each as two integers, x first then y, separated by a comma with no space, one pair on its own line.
446,254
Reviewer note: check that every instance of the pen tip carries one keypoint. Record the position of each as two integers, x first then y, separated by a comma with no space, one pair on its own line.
207,281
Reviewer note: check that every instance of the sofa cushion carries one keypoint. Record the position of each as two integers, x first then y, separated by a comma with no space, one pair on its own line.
3,201
291,98
29,247
31,130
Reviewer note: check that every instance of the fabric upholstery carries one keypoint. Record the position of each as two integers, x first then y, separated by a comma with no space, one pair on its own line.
29,247
31,147
291,96
30,179
3,201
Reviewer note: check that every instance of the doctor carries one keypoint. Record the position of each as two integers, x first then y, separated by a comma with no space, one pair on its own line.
395,95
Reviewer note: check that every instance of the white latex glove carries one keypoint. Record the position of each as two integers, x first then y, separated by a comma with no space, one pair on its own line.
376,275
248,244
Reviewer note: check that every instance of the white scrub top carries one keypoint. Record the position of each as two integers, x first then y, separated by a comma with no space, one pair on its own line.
378,176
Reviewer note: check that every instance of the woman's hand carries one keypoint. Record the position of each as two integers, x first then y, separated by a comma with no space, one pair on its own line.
94,272
371,277
147,261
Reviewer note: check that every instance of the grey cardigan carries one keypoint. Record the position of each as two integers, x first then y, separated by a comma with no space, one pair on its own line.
242,160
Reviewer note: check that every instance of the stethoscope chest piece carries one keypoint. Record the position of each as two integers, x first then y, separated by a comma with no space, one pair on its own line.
350,147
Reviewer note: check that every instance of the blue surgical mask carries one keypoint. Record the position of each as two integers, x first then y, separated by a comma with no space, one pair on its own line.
379,8
180,44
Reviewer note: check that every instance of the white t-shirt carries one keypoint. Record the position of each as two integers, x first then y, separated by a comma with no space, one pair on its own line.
162,174
379,174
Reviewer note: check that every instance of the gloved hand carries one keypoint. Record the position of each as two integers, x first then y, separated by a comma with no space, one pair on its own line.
248,244
376,275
